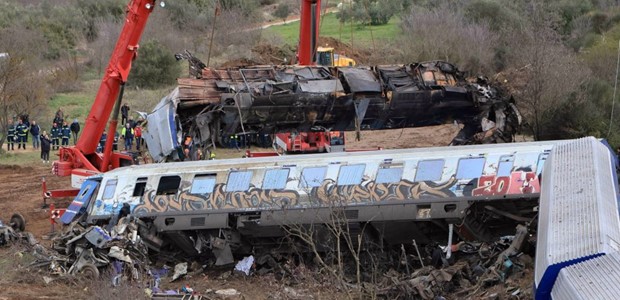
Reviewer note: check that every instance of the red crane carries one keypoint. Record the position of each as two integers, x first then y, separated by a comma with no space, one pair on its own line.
82,160
308,31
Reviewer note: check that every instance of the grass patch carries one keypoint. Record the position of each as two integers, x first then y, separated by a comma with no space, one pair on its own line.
331,27
21,157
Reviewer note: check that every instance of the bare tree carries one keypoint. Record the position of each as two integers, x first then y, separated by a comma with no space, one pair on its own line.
22,85
340,245
107,34
442,32
554,75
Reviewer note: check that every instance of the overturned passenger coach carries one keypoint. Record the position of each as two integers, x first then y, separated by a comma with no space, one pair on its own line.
262,100
397,194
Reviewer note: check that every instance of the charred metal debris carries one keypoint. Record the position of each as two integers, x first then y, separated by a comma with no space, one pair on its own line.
214,104
465,269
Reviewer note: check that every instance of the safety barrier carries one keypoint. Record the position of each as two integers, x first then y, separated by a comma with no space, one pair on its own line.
55,214
579,228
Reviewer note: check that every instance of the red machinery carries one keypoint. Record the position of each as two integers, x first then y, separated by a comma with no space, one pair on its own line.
312,141
308,31
81,160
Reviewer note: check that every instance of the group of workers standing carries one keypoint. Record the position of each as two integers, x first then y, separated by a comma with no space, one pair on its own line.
130,133
60,134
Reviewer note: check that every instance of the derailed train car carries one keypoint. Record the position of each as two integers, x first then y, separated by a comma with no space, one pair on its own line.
262,100
244,206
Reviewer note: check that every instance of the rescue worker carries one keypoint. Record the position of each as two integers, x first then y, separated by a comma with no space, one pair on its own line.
212,155
188,143
65,133
127,134
45,147
124,113
234,142
10,136
22,132
27,124
138,135
115,142
35,130
75,129
55,131
102,142
131,122
59,117
243,141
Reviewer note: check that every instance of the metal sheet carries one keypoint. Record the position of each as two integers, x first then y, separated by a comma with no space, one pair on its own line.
321,86
361,80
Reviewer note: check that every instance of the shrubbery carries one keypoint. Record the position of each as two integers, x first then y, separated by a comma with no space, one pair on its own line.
155,67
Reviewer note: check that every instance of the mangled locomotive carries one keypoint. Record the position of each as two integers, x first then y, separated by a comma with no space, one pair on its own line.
261,100
222,208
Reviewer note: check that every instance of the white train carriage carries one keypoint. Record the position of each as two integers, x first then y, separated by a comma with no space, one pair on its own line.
391,189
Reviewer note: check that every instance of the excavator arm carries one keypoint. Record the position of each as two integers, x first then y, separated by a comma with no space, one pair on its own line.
82,157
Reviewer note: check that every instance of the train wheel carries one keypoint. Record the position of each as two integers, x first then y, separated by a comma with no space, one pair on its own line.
18,222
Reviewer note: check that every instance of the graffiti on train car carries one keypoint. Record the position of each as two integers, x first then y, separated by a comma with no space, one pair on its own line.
517,183
218,199
370,191
329,192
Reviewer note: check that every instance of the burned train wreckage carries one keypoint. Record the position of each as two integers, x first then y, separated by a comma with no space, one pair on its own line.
262,100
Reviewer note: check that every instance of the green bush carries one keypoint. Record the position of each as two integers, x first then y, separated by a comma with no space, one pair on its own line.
100,9
282,11
370,12
154,67
493,13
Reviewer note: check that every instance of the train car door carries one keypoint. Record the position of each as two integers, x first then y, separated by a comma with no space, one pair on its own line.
81,201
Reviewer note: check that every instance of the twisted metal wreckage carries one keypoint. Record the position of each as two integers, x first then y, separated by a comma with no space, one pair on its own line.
260,100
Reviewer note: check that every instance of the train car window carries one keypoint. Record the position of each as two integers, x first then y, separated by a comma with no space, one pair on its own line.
541,162
351,175
203,184
110,188
312,177
239,181
138,190
168,185
429,170
85,191
389,175
504,168
470,168
275,179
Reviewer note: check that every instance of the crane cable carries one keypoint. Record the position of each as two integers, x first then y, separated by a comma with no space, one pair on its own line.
216,12
372,37
613,99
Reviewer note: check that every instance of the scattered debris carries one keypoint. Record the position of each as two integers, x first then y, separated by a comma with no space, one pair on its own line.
83,251
479,265
245,265
473,269
180,270
228,294
12,231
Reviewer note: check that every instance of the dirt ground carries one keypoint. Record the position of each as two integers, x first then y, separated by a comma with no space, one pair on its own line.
21,191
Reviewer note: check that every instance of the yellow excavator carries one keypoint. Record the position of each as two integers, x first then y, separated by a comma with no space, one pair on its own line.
327,57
